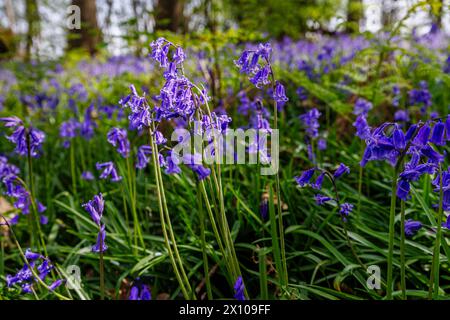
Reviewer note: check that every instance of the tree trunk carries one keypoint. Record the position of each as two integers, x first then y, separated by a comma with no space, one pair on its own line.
389,13
32,17
169,15
355,15
89,35
10,13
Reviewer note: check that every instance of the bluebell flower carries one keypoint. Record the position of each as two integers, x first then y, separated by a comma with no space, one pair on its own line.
318,183
264,209
140,292
100,245
362,128
160,50
261,77
118,138
87,175
172,164
55,284
280,95
401,116
403,188
398,138
239,289
159,138
143,156
43,219
12,122
264,50
447,128
302,93
68,130
179,56
397,96
345,210
32,256
25,277
109,170
379,147
322,144
310,121
437,136
421,97
87,126
362,107
95,208
445,188
341,170
305,177
21,134
446,224
321,199
411,227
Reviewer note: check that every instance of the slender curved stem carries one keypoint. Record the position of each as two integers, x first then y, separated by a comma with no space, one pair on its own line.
203,239
391,234
22,254
433,291
402,250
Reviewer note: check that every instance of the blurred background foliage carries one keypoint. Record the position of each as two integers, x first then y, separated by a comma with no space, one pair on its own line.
38,28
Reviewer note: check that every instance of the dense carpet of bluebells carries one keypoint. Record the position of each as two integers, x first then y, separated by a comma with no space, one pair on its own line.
94,205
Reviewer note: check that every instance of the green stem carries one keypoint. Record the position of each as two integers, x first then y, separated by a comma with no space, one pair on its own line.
161,198
433,291
34,213
391,235
137,224
360,179
214,225
278,193
102,272
72,168
402,250
203,238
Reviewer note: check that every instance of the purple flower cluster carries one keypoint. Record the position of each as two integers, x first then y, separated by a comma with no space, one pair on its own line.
118,138
95,208
417,143
109,170
25,277
139,291
22,137
362,107
361,110
73,128
249,63
445,188
311,122
305,180
16,190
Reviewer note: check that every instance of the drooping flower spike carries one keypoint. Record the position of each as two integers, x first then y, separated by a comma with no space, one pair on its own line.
305,180
95,209
23,137
109,170
25,277
118,138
